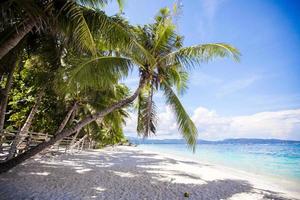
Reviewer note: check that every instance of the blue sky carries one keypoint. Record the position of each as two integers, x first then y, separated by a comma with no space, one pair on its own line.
261,93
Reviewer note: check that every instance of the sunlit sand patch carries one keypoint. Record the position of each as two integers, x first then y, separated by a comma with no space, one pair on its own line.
174,177
147,157
40,173
82,171
124,174
246,196
104,165
33,173
100,189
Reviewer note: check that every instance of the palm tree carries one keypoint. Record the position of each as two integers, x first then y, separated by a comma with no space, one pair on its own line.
23,133
42,63
163,64
72,32
107,130
72,22
66,17
4,92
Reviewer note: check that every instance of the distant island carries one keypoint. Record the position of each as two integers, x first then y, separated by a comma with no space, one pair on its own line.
136,140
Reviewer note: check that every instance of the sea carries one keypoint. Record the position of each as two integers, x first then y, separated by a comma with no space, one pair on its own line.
279,160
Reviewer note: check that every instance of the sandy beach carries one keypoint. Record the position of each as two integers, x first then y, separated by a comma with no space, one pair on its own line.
134,174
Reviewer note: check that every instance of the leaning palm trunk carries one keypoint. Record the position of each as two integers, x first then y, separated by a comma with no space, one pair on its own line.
20,136
1,75
67,132
79,143
3,103
4,97
16,37
66,119
73,141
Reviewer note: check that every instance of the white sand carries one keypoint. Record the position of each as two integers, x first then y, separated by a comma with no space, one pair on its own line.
133,174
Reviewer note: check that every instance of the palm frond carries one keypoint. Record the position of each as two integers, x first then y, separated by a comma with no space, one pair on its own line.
121,4
165,37
189,56
72,23
92,3
174,76
94,129
147,118
114,30
142,44
99,3
101,72
181,82
185,125
116,33
112,123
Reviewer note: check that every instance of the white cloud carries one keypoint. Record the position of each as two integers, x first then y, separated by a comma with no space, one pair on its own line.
209,124
283,124
280,124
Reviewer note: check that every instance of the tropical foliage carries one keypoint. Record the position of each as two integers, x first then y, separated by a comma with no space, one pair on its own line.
164,65
61,66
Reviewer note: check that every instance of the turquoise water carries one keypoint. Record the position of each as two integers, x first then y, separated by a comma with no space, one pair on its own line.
276,160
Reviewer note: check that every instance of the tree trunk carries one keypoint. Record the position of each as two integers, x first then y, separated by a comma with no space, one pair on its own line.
4,100
4,97
16,37
20,136
1,74
79,143
73,141
74,138
67,132
66,119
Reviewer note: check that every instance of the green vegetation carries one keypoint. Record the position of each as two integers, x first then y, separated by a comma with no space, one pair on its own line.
61,62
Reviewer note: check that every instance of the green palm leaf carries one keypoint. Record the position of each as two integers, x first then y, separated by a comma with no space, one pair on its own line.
146,113
189,56
92,3
72,23
186,126
99,3
114,31
175,76
164,36
101,72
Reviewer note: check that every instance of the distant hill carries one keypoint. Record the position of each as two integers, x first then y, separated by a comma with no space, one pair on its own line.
226,141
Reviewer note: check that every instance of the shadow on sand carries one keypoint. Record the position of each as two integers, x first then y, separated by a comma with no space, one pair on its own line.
114,176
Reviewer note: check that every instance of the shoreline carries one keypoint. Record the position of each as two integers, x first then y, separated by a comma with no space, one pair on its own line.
125,172
256,170
262,180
